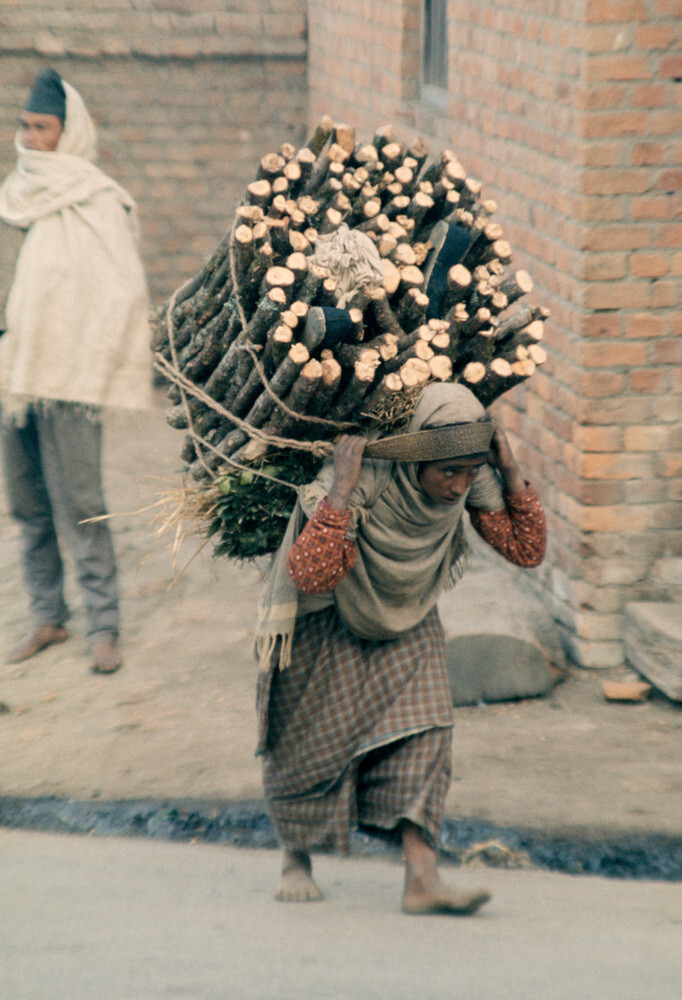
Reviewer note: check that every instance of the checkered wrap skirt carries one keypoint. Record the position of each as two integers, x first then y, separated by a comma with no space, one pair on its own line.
355,733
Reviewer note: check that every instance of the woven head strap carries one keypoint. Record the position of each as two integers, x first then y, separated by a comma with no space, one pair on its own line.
435,443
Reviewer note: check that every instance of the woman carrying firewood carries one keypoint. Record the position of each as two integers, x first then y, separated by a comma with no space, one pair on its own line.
354,702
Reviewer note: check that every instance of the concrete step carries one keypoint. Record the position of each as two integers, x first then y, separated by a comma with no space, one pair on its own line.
653,643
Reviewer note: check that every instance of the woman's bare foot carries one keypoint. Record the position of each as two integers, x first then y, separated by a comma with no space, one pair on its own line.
425,891
297,884
439,897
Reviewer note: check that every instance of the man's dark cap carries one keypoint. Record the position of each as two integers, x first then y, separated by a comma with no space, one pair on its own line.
48,96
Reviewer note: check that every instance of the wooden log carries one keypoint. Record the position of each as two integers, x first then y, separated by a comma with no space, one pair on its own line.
267,312
243,250
498,302
271,166
475,322
458,284
305,158
508,327
411,310
321,135
249,292
259,193
299,242
380,397
382,136
487,382
344,136
418,151
537,354
392,277
327,388
440,367
354,392
281,382
308,289
410,277
383,314
349,354
419,206
249,214
366,154
279,340
327,293
296,400
420,350
422,332
278,277
414,372
515,285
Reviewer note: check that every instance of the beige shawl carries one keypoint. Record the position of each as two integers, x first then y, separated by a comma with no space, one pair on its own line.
408,548
77,309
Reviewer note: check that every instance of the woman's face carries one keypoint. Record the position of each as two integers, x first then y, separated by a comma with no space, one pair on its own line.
447,480
39,132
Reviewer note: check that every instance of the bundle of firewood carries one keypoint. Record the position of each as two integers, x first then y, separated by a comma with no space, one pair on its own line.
267,350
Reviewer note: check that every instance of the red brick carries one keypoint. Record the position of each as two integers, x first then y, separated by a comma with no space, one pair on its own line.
650,207
644,325
617,237
671,236
620,123
671,66
654,36
617,67
597,438
617,294
649,154
616,181
670,180
602,324
604,354
622,11
649,380
649,265
667,352
651,438
595,465
596,208
665,294
604,267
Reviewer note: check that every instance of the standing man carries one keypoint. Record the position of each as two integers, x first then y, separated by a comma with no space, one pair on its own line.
76,340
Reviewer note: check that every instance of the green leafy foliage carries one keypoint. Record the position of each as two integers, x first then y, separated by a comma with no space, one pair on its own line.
251,511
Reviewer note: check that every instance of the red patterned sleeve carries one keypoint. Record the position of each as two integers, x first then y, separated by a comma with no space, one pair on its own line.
519,532
322,555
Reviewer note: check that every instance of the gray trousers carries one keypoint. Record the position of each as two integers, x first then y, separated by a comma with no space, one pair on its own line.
54,482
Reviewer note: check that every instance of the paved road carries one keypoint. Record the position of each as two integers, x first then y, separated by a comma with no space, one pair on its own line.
113,919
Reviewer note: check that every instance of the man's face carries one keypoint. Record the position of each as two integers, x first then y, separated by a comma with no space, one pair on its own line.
39,132
447,480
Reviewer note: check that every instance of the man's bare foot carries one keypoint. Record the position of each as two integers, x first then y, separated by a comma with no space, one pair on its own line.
106,657
297,884
41,637
439,897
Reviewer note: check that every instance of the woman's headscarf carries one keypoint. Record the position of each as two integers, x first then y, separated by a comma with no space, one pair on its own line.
409,548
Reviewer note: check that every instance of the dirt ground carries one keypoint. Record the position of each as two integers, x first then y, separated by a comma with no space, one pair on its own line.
178,719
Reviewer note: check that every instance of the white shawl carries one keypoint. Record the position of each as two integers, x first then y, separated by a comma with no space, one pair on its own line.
77,311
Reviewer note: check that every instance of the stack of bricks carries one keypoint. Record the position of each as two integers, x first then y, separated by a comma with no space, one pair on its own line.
187,96
568,116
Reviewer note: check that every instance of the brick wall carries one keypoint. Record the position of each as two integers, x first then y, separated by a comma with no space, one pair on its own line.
187,96
567,112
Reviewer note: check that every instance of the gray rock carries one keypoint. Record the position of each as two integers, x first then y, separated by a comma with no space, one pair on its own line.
653,643
502,643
